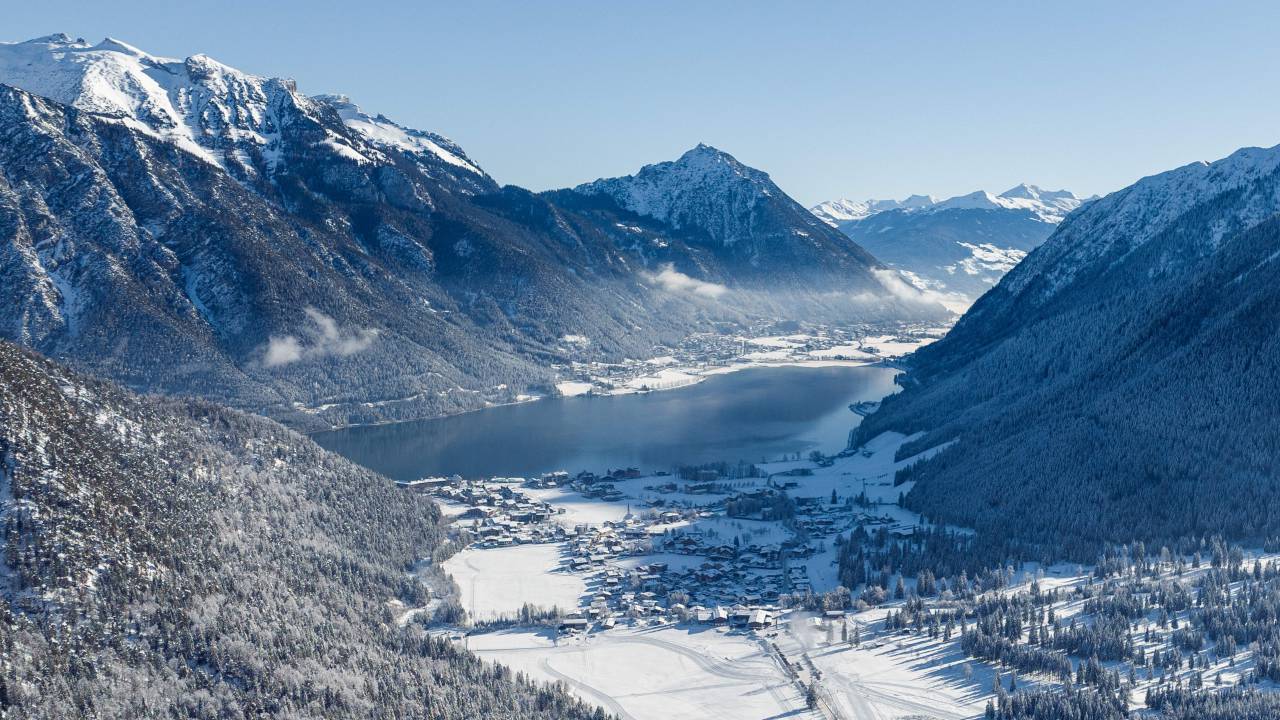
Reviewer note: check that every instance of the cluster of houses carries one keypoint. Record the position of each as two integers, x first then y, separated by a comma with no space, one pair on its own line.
737,616
735,584
591,547
497,514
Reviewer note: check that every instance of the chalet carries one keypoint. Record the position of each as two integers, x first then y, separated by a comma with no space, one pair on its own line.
902,531
723,552
425,484
571,624
760,619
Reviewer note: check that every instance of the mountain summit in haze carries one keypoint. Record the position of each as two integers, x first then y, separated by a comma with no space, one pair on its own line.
958,247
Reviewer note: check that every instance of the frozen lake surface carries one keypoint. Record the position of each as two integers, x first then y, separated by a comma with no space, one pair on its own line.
747,415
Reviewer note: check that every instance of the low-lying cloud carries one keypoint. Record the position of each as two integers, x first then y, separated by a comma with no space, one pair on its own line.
672,280
323,339
903,289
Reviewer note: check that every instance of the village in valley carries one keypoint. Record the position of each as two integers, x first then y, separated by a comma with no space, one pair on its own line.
781,587
720,560
718,590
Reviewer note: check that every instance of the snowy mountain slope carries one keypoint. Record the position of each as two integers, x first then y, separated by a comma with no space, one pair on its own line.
1119,382
1129,218
705,189
187,228
176,559
429,146
227,117
960,246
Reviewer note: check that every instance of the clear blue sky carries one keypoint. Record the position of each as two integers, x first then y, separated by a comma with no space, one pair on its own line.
832,99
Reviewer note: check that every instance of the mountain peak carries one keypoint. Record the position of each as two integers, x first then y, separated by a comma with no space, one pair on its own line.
1022,190
54,39
706,157
705,187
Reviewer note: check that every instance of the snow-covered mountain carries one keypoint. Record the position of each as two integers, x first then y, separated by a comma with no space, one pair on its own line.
185,227
740,217
1135,352
231,119
960,246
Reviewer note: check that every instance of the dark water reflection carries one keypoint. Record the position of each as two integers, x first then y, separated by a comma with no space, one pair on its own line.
746,415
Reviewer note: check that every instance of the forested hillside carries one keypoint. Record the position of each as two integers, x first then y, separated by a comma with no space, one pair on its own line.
172,559
1121,383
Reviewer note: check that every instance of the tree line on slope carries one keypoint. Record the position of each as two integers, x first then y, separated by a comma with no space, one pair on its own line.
176,559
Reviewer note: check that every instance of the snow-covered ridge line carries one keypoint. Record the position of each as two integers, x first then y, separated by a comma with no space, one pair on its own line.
1050,206
380,130
1131,217
222,115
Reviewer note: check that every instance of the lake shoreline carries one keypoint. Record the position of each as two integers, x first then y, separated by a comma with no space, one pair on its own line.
745,416
702,374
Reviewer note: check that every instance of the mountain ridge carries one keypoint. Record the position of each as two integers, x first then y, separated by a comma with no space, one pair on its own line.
1135,352
1051,206
303,258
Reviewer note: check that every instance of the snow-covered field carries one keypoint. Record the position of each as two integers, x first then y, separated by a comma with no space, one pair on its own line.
663,673
498,582
903,676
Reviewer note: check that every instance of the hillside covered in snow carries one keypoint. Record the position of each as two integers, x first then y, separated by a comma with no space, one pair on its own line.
175,559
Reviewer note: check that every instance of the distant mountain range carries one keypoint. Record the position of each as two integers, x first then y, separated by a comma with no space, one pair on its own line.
959,247
185,227
1120,383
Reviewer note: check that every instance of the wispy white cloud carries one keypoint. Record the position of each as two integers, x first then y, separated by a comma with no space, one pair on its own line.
902,288
672,280
324,338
